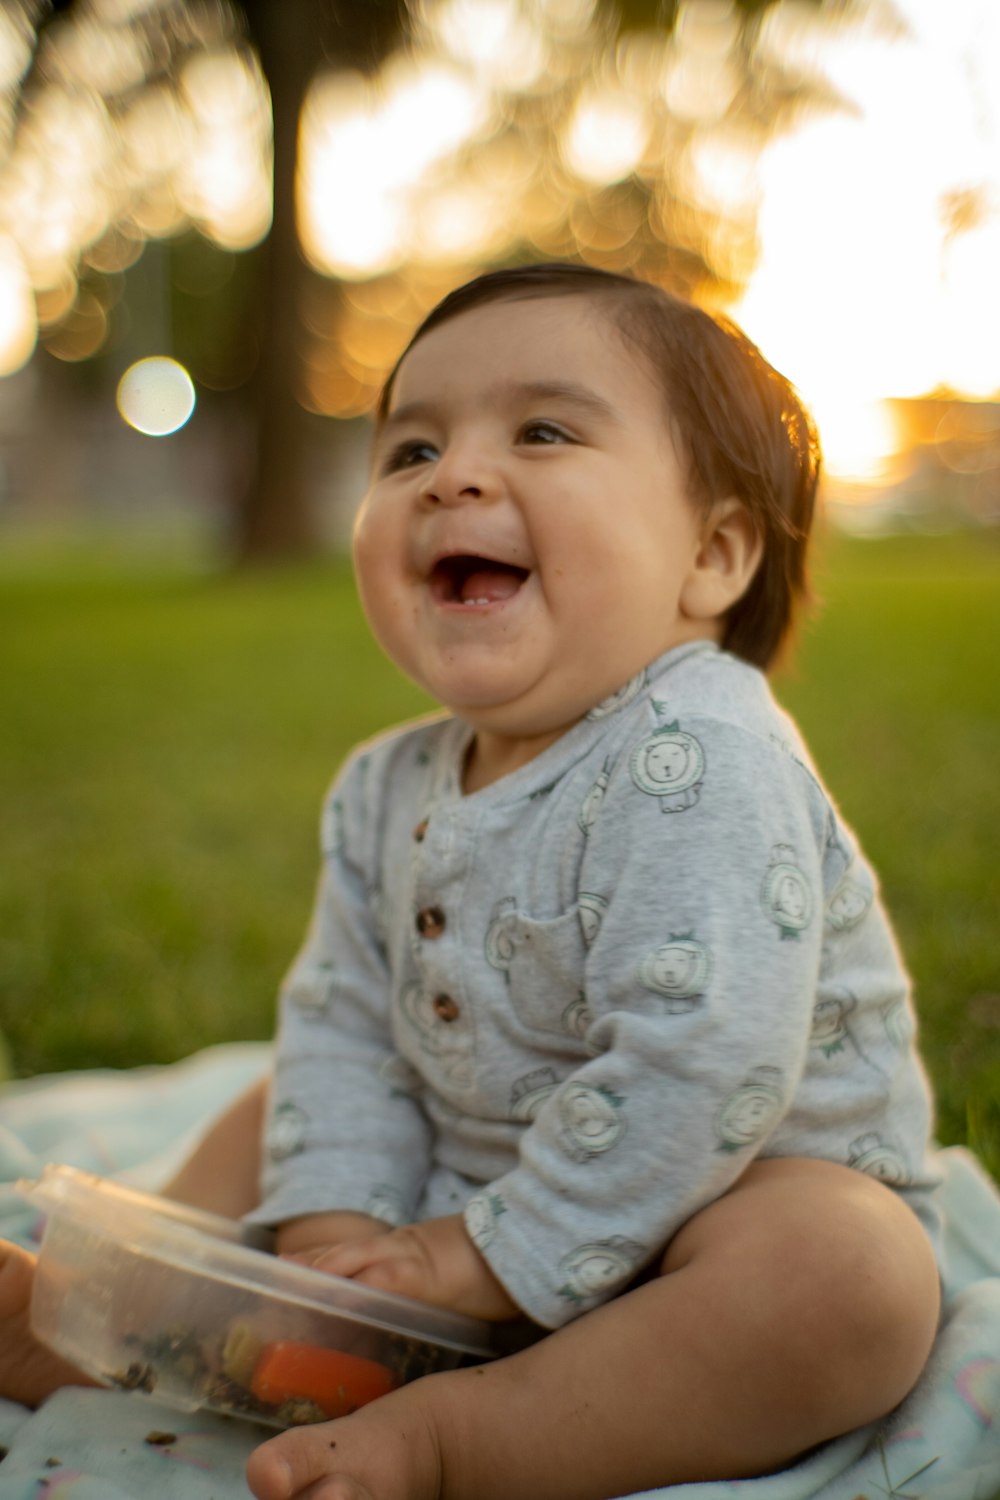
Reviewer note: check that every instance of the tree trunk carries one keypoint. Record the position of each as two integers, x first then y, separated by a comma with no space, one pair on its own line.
275,516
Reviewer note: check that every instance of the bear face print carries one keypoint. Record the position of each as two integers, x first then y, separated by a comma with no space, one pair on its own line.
286,1131
751,1111
785,893
592,1119
624,696
678,971
595,1270
669,764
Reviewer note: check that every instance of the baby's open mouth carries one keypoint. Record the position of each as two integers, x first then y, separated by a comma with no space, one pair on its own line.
467,579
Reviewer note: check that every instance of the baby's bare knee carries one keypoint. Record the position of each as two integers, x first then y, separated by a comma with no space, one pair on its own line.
890,1285
839,1270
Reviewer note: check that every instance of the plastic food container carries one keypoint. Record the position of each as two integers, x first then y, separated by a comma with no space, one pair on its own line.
192,1309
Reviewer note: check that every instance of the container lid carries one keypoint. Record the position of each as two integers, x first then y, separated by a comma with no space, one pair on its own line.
205,1244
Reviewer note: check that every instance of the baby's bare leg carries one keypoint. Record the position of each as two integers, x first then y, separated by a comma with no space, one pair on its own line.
801,1305
222,1173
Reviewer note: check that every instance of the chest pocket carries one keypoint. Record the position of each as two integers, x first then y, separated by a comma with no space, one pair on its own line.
542,964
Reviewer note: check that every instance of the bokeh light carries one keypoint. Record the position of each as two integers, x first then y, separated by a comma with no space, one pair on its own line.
18,322
826,172
878,228
606,136
141,119
366,155
156,396
495,39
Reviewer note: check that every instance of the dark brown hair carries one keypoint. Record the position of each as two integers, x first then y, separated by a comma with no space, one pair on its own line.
743,430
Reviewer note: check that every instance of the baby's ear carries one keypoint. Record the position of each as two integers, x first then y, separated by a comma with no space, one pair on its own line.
726,560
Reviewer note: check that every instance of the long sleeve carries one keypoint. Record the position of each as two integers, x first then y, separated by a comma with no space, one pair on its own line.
582,999
701,898
346,1130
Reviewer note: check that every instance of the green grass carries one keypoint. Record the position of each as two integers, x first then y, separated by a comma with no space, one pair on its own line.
897,686
167,734
167,740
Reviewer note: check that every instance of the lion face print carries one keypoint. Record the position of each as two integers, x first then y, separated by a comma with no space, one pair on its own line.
829,1026
592,1119
591,908
482,1216
877,1157
848,905
678,970
752,1110
599,1268
785,893
669,764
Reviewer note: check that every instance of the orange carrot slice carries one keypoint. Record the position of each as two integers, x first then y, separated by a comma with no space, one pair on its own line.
291,1370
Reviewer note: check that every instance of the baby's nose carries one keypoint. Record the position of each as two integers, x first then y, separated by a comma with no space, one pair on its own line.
461,477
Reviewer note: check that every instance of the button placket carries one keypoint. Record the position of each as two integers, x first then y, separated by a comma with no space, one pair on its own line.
431,922
446,1008
439,850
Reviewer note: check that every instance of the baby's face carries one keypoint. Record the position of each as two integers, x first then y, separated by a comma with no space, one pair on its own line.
526,543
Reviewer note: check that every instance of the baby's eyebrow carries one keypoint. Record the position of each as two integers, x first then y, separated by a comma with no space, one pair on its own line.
569,392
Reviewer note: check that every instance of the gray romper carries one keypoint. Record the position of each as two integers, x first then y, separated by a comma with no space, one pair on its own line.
575,1005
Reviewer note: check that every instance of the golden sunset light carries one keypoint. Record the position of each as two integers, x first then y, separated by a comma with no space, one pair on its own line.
879,225
827,174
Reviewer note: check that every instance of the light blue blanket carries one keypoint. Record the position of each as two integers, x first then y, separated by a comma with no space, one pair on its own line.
942,1444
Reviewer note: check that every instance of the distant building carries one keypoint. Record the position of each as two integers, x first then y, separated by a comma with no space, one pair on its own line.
946,471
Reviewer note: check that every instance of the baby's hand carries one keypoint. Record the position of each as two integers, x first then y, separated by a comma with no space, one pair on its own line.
311,1236
434,1262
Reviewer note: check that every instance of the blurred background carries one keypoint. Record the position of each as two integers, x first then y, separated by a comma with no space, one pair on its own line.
219,224
271,195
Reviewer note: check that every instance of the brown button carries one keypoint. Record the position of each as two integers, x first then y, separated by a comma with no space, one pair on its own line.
445,1008
430,922
420,830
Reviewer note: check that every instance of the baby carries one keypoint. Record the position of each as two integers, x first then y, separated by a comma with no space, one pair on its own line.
599,1027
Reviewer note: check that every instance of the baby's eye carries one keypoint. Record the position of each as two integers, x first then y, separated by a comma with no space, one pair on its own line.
543,433
406,455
